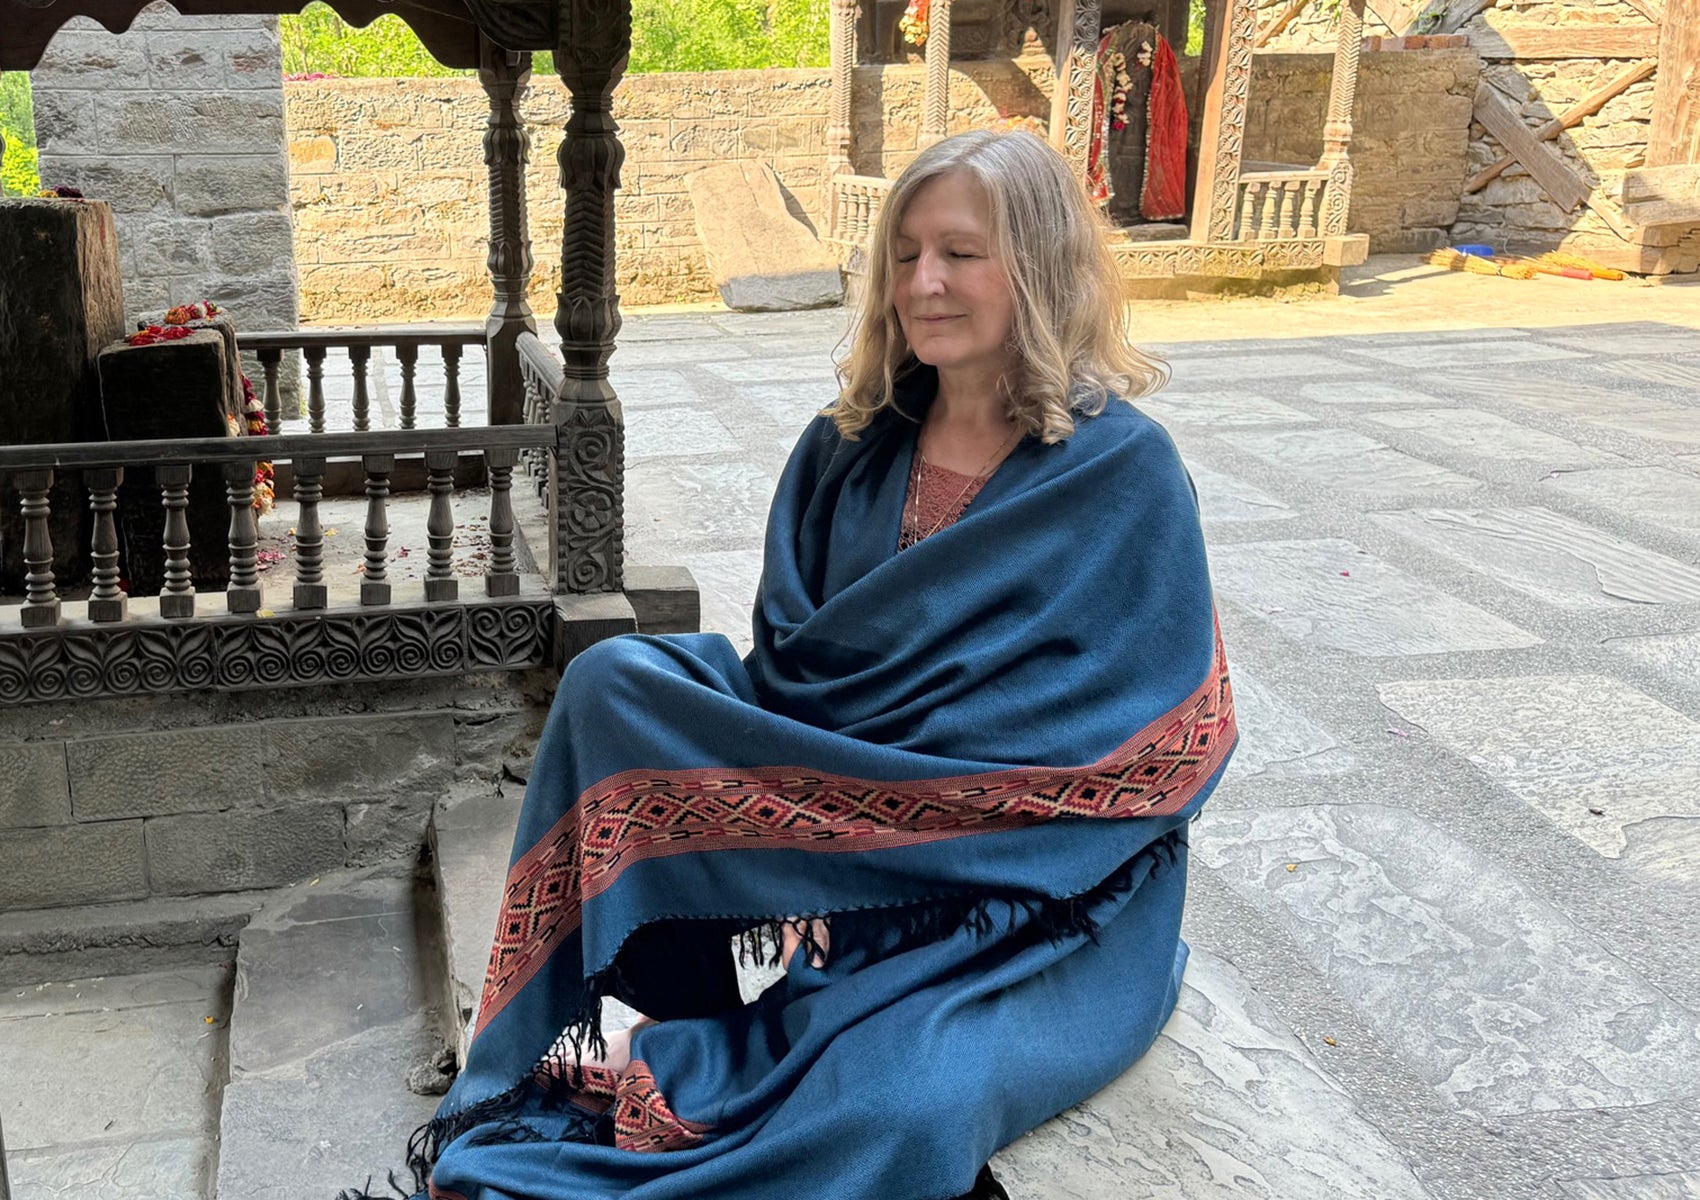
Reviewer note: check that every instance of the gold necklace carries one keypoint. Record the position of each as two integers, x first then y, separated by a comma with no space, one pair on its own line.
912,522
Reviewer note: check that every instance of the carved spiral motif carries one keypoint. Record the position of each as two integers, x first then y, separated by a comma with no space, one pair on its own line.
14,677
412,643
509,635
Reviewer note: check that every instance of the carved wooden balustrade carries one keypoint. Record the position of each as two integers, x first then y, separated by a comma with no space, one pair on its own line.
856,202
1280,204
112,645
358,343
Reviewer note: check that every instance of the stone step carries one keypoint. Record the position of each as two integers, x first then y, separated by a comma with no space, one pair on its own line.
334,1043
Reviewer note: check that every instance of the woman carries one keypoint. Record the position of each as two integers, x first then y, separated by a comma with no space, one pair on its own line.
949,785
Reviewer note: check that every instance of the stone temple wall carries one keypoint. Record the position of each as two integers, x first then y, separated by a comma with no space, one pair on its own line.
178,123
388,180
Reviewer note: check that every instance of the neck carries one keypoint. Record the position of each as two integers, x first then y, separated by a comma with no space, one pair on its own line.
970,402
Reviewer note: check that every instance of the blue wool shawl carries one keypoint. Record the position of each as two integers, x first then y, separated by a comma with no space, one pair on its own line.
977,756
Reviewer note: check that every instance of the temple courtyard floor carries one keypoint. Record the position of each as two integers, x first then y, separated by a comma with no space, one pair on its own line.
1443,909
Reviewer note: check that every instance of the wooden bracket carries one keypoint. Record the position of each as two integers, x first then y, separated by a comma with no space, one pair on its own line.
1585,107
1557,178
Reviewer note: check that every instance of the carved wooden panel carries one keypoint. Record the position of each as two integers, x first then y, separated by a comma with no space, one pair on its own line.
281,651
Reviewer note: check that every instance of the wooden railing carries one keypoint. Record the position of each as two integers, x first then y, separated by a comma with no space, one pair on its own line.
855,207
358,343
111,645
1279,204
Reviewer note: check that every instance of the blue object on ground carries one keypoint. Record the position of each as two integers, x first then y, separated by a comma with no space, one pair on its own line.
1476,250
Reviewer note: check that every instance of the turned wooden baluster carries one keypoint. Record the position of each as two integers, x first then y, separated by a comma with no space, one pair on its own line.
1272,194
310,591
440,583
315,356
1309,196
375,585
408,357
503,579
106,603
177,597
41,602
451,386
271,361
1249,195
360,356
243,594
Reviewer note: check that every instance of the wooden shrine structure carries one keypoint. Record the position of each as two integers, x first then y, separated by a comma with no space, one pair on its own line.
1247,220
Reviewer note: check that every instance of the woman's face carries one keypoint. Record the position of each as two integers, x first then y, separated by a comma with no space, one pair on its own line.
952,296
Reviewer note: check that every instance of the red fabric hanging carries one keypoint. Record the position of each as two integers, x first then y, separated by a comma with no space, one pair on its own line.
1164,195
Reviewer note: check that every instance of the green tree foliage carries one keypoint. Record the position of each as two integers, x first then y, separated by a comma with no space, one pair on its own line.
18,174
667,35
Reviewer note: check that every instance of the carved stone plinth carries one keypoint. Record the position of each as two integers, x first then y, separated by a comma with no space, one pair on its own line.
61,300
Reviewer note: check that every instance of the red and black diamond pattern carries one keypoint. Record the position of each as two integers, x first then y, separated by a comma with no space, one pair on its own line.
638,815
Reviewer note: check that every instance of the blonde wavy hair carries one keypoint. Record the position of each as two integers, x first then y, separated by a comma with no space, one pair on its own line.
1070,337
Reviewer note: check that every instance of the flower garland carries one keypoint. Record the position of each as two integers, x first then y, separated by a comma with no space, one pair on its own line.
913,23
177,326
1115,66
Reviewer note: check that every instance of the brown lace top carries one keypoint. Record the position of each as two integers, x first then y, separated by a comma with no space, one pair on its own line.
937,499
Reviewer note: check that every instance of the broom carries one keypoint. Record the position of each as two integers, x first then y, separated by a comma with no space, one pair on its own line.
1452,260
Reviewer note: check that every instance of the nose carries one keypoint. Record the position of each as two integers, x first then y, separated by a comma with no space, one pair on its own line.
928,279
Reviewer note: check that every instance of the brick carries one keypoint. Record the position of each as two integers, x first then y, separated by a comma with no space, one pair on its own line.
65,123
137,184
76,59
180,771
213,185
235,851
237,245
180,62
34,790
360,757
378,833
72,864
196,123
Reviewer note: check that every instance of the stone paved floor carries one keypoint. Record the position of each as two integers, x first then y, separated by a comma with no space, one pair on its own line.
1444,909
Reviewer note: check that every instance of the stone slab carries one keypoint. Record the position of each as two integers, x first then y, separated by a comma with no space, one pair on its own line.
1550,557
1543,738
1220,410
657,432
159,1065
1489,993
1330,593
1682,1186
177,1167
713,505
1487,435
1683,373
1486,353
72,864
1659,497
1339,458
337,1120
1675,654
761,257
810,368
152,774
1278,740
471,840
360,757
34,788
1676,426
1628,341
1228,366
333,960
650,388
1568,396
792,404
1364,391
1222,498
233,851
1226,1105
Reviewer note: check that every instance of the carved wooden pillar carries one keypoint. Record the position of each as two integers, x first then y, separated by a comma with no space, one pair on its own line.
243,594
1226,67
588,474
106,602
1076,63
840,136
504,76
1337,131
935,111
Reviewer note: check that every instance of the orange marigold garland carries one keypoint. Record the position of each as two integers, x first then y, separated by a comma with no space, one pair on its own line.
265,478
913,22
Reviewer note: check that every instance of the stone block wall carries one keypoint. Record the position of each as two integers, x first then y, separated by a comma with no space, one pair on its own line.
178,123
170,796
388,180
1410,137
